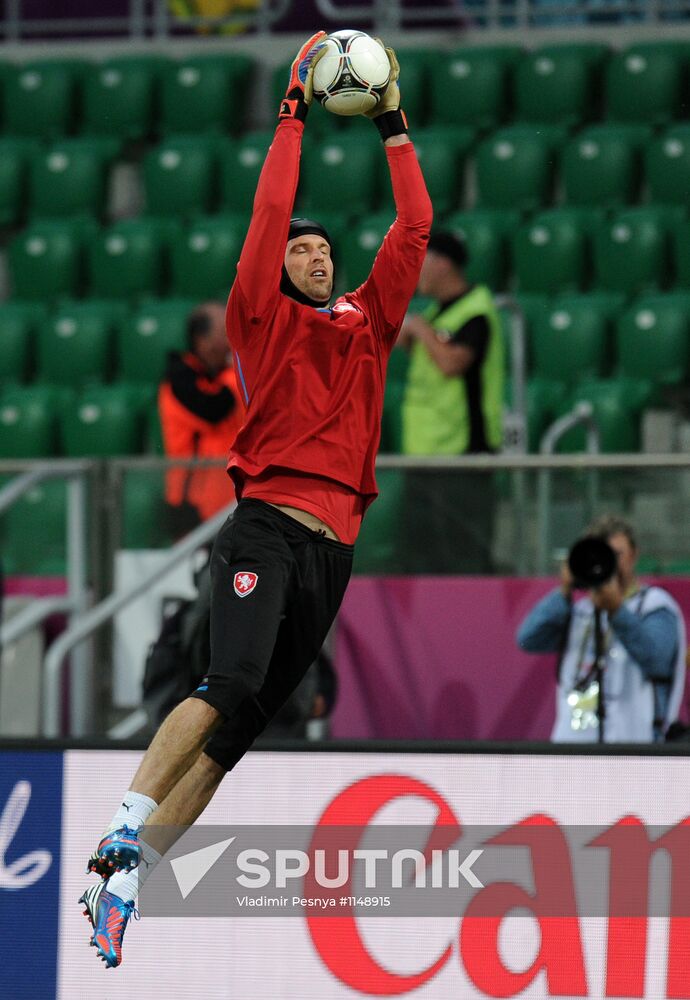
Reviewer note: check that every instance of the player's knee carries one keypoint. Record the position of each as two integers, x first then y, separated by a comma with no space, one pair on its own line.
228,693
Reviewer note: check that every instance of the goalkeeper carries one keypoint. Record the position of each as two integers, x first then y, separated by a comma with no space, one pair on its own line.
312,376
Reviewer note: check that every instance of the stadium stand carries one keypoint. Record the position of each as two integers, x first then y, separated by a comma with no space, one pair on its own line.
565,168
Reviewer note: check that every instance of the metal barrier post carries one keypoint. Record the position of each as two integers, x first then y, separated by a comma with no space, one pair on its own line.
81,671
583,413
515,421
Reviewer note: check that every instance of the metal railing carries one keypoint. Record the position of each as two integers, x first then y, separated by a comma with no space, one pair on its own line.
515,416
75,602
92,620
581,415
75,531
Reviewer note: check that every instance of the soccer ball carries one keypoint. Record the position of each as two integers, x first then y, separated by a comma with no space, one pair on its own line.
352,76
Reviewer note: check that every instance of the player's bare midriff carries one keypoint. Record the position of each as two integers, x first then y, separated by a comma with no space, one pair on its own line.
304,517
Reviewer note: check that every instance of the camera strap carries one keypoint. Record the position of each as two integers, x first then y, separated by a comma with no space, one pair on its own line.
582,678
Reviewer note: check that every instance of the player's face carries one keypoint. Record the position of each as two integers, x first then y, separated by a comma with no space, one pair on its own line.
309,266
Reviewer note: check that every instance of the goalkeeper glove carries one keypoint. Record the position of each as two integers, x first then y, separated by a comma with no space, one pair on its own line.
300,87
387,116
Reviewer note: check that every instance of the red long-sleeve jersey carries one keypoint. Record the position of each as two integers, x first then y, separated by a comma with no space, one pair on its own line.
313,379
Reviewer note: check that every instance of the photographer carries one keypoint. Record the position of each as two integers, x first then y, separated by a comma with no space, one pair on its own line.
641,665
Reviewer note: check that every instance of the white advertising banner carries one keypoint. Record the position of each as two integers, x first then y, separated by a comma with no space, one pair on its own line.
530,954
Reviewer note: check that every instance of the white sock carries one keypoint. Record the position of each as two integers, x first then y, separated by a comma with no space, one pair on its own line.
127,885
134,811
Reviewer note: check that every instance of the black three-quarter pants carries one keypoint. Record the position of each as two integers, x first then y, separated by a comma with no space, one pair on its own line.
276,587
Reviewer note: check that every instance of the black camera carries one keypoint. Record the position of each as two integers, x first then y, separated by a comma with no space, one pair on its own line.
592,562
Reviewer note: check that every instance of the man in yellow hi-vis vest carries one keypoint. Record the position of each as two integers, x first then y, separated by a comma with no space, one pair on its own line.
452,406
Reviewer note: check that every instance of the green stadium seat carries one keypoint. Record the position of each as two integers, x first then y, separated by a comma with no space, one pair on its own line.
644,84
515,167
19,324
378,544
415,67
667,161
680,241
104,422
396,381
27,423
569,340
487,233
38,98
154,433
14,162
127,259
391,420
75,344
204,257
45,260
631,250
143,524
601,165
362,245
35,531
556,84
340,170
241,161
549,252
69,178
204,93
147,335
118,97
180,176
617,404
653,340
441,151
531,304
470,86
544,399
605,303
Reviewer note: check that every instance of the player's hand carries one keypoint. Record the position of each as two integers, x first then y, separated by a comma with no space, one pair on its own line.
391,97
300,88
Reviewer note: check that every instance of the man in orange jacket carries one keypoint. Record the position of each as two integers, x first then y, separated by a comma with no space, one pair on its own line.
200,411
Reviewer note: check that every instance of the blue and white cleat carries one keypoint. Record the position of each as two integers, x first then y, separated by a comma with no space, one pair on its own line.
109,917
118,851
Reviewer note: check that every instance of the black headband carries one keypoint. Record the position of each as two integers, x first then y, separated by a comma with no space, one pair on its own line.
301,227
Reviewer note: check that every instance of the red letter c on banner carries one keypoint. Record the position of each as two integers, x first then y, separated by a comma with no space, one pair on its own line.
337,939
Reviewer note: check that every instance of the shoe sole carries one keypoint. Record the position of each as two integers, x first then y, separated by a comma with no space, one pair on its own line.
92,943
115,861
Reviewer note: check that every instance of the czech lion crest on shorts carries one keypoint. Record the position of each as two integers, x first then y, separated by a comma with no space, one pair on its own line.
245,582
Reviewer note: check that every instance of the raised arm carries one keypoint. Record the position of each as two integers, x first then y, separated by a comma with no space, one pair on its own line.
261,260
395,272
